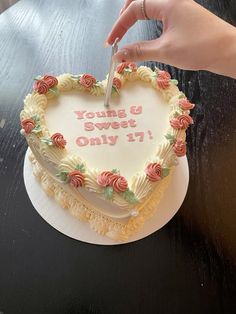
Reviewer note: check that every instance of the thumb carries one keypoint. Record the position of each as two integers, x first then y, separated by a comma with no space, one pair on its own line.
140,51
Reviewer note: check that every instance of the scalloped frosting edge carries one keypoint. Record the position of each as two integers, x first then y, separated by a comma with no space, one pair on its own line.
98,222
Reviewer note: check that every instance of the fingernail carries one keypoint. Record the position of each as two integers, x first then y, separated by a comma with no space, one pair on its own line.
122,55
106,44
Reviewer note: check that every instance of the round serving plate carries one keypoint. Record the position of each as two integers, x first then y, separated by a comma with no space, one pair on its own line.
63,221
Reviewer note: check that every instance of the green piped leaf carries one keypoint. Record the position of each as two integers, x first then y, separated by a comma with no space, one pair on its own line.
98,84
115,171
165,172
175,82
177,113
80,167
129,196
38,78
63,175
182,95
54,90
108,192
170,138
47,141
114,90
76,77
37,129
36,118
128,70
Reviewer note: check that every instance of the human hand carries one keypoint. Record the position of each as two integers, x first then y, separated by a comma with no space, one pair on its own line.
193,38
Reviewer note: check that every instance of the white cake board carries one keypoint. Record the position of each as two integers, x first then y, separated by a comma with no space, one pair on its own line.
64,222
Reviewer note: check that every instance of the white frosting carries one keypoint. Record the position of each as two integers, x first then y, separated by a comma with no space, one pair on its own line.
136,134
128,157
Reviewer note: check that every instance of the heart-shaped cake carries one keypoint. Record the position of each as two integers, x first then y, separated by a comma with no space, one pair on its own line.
108,166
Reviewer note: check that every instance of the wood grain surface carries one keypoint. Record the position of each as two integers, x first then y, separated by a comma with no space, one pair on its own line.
186,267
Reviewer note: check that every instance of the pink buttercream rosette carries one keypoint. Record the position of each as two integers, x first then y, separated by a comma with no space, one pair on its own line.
185,104
43,85
50,80
126,65
180,148
114,180
28,125
118,183
58,140
87,80
153,172
181,122
116,83
104,178
76,178
163,79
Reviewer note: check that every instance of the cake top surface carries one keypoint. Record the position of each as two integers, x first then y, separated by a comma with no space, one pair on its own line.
120,153
121,137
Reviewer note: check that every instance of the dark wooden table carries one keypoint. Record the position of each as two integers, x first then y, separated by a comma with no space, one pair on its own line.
186,267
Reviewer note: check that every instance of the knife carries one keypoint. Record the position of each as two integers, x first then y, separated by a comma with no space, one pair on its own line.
111,74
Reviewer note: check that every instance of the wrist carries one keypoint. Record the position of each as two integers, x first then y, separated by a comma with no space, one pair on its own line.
224,56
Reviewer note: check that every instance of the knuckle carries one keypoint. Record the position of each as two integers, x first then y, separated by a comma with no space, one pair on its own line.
132,5
123,28
138,51
133,9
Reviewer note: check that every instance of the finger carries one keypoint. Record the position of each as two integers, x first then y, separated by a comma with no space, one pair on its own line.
133,13
127,3
141,51
125,21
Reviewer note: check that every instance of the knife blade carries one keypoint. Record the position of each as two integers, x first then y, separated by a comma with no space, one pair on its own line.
111,74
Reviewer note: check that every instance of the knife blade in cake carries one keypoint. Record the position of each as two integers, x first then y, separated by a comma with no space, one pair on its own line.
111,74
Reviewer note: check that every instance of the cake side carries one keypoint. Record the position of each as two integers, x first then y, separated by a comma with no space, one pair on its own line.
116,229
